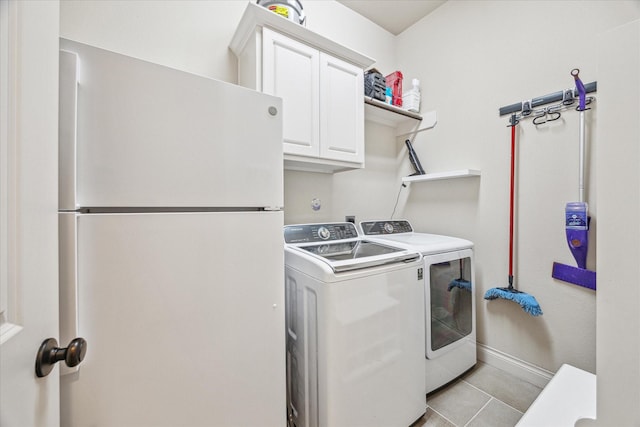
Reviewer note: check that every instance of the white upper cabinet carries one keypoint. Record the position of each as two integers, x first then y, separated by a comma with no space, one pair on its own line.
291,70
341,110
321,85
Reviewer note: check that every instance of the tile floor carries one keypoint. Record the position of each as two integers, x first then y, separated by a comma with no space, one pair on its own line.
483,397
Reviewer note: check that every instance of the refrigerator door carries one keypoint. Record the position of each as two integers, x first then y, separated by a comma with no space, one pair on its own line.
152,136
183,314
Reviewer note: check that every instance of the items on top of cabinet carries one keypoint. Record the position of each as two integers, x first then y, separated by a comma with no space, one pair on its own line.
289,9
257,17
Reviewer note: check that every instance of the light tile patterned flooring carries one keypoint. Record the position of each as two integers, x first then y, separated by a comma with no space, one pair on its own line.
483,397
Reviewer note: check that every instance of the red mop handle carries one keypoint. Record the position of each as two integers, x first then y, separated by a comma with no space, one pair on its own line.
511,202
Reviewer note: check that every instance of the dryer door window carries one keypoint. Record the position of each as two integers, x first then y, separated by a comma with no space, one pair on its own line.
451,302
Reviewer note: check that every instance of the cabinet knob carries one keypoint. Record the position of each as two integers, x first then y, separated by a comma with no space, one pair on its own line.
273,110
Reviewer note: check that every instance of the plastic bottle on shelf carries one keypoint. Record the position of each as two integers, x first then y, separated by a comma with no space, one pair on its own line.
411,98
388,95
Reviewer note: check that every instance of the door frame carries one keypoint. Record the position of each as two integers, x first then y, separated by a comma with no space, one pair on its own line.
29,34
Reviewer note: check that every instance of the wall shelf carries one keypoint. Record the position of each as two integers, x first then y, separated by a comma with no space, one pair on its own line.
386,113
464,173
406,122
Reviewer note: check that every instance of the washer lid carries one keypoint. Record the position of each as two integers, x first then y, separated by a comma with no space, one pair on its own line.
356,254
353,249
339,245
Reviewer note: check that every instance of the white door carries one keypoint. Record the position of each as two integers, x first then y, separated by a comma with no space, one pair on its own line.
341,110
290,71
28,205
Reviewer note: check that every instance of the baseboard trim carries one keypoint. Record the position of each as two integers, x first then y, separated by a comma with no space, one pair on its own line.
521,369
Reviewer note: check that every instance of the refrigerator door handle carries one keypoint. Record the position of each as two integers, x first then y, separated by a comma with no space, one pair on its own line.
68,281
67,129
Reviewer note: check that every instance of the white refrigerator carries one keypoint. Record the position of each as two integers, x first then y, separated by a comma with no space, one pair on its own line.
171,260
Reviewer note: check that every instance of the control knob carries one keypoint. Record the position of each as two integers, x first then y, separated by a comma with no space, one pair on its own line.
324,233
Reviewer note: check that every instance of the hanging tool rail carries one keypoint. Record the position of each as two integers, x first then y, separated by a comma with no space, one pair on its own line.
530,108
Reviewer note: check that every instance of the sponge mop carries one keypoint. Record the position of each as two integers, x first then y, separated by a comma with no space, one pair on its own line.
528,302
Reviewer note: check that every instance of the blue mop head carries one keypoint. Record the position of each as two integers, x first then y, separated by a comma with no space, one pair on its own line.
526,301
459,283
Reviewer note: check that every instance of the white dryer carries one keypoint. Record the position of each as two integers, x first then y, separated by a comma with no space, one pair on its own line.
449,295
355,347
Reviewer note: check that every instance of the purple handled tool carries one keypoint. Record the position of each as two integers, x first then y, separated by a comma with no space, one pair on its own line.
577,216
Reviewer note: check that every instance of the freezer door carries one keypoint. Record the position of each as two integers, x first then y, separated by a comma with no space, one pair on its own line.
184,319
148,135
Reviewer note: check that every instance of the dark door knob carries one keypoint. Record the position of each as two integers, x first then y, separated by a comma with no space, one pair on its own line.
49,354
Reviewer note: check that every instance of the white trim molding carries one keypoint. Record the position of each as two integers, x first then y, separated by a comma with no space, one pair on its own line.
519,368
8,76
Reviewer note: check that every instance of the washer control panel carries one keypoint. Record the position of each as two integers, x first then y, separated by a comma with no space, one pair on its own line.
309,233
376,228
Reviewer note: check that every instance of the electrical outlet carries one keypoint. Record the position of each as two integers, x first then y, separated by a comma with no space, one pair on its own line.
350,218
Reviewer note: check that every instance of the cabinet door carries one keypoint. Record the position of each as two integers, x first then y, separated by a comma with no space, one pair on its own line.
290,71
341,110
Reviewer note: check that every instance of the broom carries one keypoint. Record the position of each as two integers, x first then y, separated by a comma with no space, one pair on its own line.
526,301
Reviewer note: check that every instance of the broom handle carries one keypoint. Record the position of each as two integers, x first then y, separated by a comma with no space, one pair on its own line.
511,197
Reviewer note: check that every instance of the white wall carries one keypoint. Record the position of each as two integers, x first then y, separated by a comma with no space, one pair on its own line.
472,58
188,35
618,329
194,35
368,193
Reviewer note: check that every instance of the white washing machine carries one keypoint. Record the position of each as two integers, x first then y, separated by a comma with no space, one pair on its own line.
355,347
449,294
